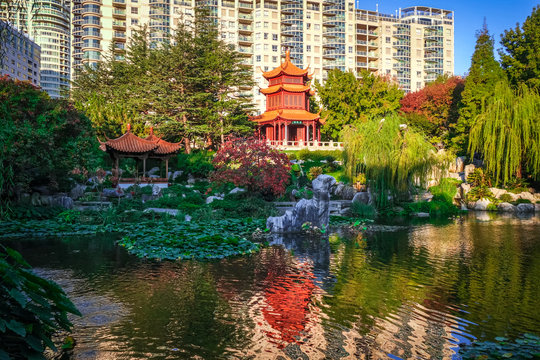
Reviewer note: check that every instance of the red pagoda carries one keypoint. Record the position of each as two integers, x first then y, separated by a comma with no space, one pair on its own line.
287,120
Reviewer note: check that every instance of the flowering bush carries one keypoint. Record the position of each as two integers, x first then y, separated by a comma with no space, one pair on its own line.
253,164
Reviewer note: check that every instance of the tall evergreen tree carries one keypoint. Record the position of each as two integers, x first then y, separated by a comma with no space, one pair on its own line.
520,55
484,73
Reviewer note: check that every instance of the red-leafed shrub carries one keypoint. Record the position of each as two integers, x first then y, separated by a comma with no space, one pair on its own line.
253,164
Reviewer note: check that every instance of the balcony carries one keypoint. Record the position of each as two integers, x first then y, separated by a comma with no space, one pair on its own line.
120,25
246,29
119,3
245,40
119,36
119,47
245,50
245,18
119,13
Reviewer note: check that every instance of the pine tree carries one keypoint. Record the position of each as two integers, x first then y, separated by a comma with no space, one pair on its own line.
520,55
484,73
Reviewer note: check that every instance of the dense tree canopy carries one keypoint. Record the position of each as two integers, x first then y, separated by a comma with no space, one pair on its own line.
520,55
435,108
484,73
187,88
348,100
42,140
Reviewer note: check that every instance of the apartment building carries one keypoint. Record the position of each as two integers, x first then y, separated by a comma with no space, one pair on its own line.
412,46
20,55
48,23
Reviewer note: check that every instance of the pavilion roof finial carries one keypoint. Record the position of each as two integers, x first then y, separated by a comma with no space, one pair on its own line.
287,55
128,127
151,130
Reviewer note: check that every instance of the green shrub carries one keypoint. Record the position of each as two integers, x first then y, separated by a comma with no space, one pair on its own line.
506,198
32,310
433,207
69,216
319,155
361,210
517,186
523,201
244,206
479,192
198,163
491,207
446,190
35,212
314,172
291,156
479,178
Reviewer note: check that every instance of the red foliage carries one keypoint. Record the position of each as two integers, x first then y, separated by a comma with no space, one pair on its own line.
436,101
253,164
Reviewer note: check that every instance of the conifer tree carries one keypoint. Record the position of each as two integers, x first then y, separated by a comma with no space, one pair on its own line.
484,73
520,55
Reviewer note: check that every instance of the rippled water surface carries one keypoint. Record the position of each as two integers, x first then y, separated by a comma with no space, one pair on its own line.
415,293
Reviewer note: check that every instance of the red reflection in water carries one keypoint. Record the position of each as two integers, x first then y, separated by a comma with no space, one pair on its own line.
288,297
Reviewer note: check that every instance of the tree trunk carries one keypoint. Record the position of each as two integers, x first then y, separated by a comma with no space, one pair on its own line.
222,134
186,140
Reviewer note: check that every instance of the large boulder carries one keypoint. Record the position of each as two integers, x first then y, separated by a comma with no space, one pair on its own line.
497,192
506,207
77,191
338,189
315,211
237,190
362,197
468,169
525,208
118,192
177,174
527,195
537,208
482,204
211,199
153,171
348,192
62,201
465,188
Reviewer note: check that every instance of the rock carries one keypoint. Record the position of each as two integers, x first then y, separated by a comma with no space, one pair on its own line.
482,204
46,200
77,191
35,199
506,207
348,192
525,208
191,180
465,188
478,162
237,190
458,176
118,192
210,199
187,218
25,198
362,197
338,189
497,192
62,201
460,164
537,208
172,212
422,215
153,171
527,195
176,174
153,176
42,189
468,169
148,197
315,211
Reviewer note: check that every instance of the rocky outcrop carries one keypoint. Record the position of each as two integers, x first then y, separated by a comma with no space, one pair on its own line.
506,207
525,208
315,211
362,197
482,205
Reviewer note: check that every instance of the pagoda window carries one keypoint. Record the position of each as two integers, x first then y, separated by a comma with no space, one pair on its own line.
293,80
274,81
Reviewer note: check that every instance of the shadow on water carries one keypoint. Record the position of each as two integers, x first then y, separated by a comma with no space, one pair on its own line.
413,293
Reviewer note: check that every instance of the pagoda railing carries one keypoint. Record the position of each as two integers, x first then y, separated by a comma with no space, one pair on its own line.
311,145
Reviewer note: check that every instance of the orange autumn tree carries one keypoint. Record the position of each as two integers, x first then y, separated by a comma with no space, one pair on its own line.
435,108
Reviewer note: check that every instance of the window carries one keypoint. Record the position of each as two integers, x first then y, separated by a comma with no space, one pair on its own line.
350,49
134,21
266,47
308,15
308,26
134,10
266,24
257,36
317,26
274,37
274,58
258,58
265,36
419,73
388,39
418,32
308,48
274,48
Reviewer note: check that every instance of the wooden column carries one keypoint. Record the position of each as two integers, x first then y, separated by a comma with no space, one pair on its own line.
314,132
167,168
286,130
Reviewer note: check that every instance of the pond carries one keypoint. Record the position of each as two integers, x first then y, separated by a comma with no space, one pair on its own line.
414,293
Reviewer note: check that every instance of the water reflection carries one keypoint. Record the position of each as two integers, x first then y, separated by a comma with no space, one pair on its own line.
410,294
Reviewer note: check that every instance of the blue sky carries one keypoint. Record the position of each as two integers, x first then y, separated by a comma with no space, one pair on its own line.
469,17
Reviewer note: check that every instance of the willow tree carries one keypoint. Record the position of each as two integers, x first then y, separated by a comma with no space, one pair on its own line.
392,156
507,133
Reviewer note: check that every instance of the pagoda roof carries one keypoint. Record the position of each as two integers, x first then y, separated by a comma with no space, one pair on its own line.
130,143
287,87
287,68
286,114
164,147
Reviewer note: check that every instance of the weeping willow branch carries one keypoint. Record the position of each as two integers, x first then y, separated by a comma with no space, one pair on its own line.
393,157
507,133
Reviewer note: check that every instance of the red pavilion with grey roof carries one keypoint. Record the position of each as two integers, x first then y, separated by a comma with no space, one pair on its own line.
287,120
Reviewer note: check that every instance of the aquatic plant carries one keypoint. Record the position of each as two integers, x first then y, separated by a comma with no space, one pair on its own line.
32,310
526,346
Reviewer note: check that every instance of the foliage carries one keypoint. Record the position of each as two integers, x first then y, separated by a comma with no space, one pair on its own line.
434,109
484,74
348,100
361,210
507,134
314,172
393,157
517,185
253,164
445,191
478,178
32,309
523,201
196,163
69,216
520,57
244,205
480,192
437,208
506,198
319,155
34,212
186,87
527,346
42,141
491,207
